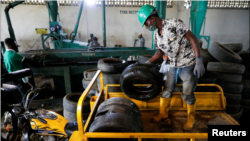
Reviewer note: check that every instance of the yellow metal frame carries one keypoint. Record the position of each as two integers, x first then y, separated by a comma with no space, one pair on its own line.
205,100
83,135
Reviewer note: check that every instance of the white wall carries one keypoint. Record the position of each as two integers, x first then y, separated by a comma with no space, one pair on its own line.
224,26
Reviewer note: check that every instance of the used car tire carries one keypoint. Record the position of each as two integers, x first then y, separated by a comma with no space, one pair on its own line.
231,87
120,101
152,68
246,75
70,116
231,78
114,122
112,65
85,84
233,98
234,46
237,115
226,67
247,66
70,103
245,57
245,102
246,83
207,78
206,57
246,93
140,73
89,74
143,58
109,79
224,54
233,108
122,110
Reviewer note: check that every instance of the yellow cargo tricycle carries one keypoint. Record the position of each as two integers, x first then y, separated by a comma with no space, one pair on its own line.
210,108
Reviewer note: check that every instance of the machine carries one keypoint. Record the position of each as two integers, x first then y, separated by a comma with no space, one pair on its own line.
68,59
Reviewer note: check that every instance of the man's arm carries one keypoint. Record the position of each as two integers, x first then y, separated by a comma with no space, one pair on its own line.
157,56
199,69
194,42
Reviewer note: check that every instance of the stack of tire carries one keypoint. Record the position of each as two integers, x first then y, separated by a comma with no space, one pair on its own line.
117,115
111,69
245,101
87,77
70,106
141,74
229,75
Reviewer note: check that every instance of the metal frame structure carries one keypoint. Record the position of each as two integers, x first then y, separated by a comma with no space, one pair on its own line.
83,135
67,51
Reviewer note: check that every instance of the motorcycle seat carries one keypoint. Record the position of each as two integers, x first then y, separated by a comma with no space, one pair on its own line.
10,94
71,127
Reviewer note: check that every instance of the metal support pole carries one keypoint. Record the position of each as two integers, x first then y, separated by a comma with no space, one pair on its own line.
103,24
2,47
10,28
164,8
157,5
67,81
77,23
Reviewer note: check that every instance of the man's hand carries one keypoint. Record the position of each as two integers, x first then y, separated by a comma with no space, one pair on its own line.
148,62
199,69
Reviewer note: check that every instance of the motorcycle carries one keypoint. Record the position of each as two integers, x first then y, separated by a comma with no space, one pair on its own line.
19,123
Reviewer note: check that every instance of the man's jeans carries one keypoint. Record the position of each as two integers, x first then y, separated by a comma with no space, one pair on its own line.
189,83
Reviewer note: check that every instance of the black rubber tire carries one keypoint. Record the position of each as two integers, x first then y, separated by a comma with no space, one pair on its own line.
85,83
246,83
143,58
70,103
112,65
245,57
89,74
247,66
238,115
245,102
206,57
207,78
114,122
246,75
70,116
231,87
152,68
236,47
122,110
226,67
244,120
122,102
144,74
233,108
200,43
233,98
246,93
223,54
109,79
231,78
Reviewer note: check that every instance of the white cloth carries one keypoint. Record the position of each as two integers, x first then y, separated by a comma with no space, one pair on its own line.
164,69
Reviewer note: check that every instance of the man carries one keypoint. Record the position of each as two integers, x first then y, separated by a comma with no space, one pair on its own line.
142,40
94,44
13,62
91,38
173,39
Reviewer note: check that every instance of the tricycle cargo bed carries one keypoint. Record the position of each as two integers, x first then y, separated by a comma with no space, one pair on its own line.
176,120
210,110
